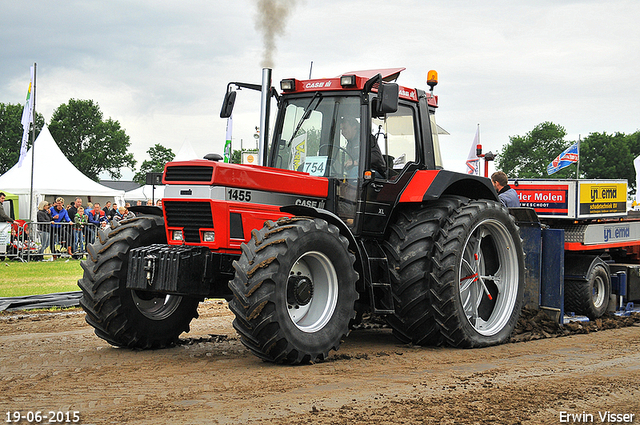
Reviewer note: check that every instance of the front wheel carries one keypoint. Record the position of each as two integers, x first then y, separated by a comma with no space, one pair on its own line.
125,317
294,290
478,275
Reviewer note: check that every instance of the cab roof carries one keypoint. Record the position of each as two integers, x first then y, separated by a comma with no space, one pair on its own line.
388,75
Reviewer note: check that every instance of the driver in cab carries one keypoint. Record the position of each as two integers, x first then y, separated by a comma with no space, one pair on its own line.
350,129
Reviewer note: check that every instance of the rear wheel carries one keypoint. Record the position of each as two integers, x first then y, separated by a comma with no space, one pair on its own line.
294,290
409,249
478,275
125,317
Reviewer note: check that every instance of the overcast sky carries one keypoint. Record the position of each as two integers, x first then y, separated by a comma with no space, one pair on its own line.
160,68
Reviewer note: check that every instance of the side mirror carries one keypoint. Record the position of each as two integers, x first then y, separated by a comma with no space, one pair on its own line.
387,98
227,105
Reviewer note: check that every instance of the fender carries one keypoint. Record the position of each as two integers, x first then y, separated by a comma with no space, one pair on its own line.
429,185
330,217
146,209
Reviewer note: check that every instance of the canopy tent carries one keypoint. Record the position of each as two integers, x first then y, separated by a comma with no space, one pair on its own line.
54,175
143,193
186,153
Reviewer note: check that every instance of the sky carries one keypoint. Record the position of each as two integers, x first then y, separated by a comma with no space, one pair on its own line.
160,68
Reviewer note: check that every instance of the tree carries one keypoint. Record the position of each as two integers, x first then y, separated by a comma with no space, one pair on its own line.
610,156
11,134
92,144
159,157
528,156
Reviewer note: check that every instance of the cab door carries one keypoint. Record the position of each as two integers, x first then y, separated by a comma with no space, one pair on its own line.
397,137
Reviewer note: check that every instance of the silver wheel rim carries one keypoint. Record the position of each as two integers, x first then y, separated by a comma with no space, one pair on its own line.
314,315
488,296
598,292
154,306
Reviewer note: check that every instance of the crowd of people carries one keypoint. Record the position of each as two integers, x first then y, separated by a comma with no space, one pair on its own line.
73,226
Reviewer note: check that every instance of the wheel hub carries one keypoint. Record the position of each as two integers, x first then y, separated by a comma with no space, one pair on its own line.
299,290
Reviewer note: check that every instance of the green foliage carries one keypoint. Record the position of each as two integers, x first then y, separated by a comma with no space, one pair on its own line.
236,156
159,157
602,155
610,156
92,144
528,156
37,278
11,134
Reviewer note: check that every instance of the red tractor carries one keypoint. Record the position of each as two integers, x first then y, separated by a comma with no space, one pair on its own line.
349,211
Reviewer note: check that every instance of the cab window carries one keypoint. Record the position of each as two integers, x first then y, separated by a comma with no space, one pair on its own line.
396,136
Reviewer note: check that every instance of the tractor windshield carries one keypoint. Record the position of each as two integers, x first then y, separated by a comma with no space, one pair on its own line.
319,135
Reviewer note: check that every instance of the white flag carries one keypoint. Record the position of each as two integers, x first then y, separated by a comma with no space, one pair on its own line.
636,165
27,118
473,162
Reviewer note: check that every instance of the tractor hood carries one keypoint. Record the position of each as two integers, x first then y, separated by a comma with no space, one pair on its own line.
203,172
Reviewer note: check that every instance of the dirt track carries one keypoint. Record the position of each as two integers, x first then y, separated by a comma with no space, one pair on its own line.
54,362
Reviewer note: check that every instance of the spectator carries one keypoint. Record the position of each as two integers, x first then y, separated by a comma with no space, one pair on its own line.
123,214
44,221
96,217
74,208
106,209
149,202
508,196
3,215
79,225
61,231
138,203
159,203
113,211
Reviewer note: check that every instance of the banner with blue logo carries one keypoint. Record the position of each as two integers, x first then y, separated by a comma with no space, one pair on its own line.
566,158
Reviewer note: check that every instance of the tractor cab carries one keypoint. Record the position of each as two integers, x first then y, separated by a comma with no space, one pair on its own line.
358,130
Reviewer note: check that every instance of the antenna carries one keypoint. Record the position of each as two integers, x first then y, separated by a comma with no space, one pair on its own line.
310,69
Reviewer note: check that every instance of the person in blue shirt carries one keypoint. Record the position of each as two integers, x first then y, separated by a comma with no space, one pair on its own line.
508,196
60,229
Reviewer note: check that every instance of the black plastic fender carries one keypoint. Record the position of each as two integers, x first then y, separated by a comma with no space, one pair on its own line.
579,267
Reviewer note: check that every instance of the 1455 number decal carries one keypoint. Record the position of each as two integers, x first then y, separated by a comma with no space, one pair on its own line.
239,195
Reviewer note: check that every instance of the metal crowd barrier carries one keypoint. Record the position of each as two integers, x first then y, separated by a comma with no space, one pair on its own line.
44,241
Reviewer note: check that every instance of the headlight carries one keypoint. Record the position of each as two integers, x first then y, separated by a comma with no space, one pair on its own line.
208,237
177,235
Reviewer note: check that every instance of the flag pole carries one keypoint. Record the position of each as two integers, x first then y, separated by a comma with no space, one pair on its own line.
33,137
578,162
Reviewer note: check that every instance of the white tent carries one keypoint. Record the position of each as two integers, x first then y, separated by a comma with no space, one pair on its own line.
54,176
186,153
143,193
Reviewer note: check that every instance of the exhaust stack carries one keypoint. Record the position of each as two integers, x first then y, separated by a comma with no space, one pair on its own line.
265,103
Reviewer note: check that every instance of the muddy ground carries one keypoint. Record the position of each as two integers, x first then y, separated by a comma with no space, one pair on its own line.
53,362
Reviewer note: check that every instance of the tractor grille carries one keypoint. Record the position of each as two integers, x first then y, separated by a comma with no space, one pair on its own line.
188,173
192,216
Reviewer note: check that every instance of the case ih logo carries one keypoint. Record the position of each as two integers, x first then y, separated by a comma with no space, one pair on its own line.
408,93
317,85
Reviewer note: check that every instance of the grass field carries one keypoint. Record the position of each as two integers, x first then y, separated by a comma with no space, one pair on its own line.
37,278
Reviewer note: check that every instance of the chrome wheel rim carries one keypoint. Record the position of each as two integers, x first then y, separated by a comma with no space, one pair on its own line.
489,273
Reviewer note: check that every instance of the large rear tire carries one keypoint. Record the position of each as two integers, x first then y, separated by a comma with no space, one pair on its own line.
125,317
478,275
409,249
294,290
